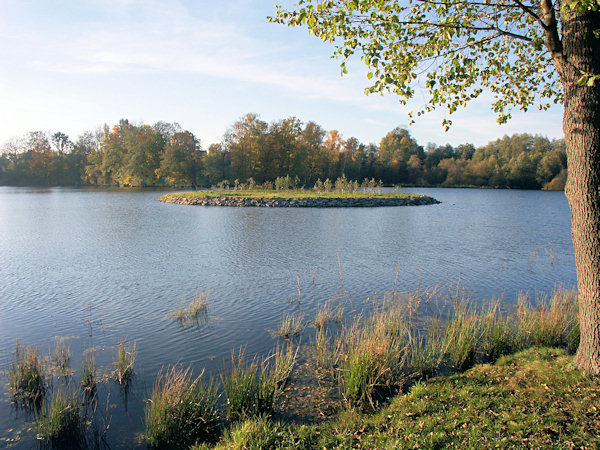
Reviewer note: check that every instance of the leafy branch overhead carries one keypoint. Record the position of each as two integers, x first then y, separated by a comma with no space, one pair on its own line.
452,50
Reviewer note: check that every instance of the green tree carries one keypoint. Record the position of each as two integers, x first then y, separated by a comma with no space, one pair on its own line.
245,144
180,163
525,52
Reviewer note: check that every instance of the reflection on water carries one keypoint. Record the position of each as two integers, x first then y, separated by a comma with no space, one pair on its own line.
101,266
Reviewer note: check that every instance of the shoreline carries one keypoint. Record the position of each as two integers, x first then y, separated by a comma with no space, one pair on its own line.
297,202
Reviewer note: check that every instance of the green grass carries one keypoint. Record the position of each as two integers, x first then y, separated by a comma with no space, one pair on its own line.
326,314
61,357
124,372
291,326
251,388
534,399
27,375
550,322
373,359
190,313
292,193
88,372
60,423
462,337
182,410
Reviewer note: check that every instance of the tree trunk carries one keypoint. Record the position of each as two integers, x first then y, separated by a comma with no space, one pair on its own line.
581,124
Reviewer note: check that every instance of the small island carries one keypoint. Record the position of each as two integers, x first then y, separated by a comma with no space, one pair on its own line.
295,198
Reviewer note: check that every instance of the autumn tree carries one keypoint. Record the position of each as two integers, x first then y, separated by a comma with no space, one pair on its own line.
181,160
524,52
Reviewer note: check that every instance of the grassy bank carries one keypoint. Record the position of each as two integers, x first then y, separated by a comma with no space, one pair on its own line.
534,399
286,193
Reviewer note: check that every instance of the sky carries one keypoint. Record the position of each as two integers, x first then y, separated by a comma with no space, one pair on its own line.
74,66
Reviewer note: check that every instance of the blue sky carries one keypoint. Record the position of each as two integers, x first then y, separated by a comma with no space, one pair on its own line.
75,65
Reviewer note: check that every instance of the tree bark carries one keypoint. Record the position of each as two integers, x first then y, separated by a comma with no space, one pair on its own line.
581,125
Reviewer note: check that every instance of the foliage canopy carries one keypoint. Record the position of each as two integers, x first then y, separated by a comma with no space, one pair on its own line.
451,50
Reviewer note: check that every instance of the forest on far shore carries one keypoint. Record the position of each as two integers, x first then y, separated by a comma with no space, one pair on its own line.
255,151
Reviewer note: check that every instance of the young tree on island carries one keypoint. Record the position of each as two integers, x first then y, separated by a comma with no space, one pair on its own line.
525,52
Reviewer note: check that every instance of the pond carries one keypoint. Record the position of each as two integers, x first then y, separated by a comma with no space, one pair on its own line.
94,267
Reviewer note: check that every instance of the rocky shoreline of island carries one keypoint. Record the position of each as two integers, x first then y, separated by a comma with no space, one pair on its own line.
308,202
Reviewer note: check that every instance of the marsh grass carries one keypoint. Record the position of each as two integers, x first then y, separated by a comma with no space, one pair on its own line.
327,314
282,361
373,359
497,333
192,312
88,372
60,422
182,410
252,387
426,350
551,322
462,337
395,346
27,375
291,326
326,351
61,357
124,371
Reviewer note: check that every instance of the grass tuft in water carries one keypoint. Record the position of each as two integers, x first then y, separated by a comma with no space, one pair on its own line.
374,358
60,423
462,337
252,388
426,351
182,411
497,333
551,323
327,314
88,372
191,313
281,363
27,375
291,326
61,357
124,372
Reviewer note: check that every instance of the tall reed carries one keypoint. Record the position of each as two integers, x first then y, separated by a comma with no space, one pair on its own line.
88,372
374,358
124,372
27,375
60,422
462,337
252,387
182,410
550,322
497,333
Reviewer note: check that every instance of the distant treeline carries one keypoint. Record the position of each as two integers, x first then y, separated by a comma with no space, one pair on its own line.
255,151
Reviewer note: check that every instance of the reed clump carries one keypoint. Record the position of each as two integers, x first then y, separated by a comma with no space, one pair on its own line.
291,326
395,345
192,312
27,375
124,371
252,387
88,372
61,357
60,423
326,314
550,322
373,359
462,337
182,410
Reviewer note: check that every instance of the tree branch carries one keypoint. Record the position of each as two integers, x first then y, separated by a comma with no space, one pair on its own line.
458,26
550,26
